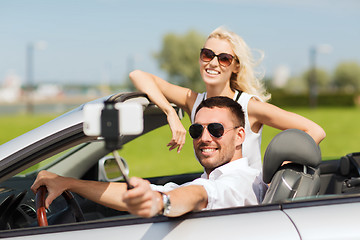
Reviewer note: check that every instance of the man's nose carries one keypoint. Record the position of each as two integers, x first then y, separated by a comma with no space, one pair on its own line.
205,136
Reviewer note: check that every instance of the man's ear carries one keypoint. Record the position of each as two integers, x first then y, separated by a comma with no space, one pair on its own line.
240,136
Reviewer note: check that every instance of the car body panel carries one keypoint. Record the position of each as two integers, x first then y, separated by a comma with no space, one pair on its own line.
217,224
330,221
240,226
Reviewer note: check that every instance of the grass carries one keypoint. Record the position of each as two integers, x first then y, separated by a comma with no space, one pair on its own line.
149,156
341,127
12,126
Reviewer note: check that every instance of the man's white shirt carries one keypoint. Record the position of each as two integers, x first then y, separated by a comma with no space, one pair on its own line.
231,185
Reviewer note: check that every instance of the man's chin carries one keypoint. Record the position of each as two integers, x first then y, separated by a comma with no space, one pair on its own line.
207,162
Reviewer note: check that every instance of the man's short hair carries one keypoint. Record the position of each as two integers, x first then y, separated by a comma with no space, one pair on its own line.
224,102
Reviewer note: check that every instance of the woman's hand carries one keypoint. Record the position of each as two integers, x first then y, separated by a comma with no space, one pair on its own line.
178,132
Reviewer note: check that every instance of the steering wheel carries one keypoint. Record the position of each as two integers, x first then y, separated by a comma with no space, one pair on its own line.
8,207
70,200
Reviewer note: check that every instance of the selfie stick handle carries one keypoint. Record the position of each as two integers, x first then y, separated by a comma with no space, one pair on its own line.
122,169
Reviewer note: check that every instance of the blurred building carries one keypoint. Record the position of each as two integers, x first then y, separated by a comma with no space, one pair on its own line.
10,90
281,76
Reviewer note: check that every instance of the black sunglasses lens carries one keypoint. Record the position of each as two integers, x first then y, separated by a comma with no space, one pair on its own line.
196,130
206,55
216,129
225,59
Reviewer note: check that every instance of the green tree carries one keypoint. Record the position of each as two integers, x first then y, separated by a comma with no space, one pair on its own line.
296,85
347,76
179,57
323,79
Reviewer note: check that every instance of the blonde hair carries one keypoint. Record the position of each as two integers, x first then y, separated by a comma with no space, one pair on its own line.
246,79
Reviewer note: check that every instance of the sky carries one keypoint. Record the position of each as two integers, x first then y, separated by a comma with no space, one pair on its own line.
91,41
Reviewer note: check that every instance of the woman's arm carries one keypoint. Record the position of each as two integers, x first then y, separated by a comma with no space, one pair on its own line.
268,114
162,93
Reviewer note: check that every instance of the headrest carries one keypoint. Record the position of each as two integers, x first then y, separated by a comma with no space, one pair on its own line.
290,145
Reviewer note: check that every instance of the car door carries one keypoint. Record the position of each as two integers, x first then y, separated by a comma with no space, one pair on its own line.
334,217
254,222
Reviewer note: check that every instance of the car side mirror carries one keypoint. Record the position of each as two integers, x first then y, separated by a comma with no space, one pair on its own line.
109,170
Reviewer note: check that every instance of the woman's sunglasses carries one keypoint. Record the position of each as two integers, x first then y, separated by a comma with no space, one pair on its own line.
225,59
216,130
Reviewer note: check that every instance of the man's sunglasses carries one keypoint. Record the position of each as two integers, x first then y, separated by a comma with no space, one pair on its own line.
216,130
225,59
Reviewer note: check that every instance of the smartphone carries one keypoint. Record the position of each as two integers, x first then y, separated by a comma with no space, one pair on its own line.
129,119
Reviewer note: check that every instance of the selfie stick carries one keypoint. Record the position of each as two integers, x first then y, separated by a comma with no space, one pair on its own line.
110,132
122,169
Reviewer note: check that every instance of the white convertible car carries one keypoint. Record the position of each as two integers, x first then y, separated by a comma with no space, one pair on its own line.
307,199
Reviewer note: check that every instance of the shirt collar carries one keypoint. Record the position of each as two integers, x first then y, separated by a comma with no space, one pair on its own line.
217,172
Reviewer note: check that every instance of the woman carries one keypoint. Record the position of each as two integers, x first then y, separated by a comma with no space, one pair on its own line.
226,67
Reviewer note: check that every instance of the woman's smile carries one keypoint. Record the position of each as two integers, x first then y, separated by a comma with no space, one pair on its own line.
212,71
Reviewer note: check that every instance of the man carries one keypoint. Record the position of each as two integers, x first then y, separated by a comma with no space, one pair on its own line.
228,181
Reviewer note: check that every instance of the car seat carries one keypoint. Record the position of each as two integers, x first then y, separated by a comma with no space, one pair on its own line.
290,165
